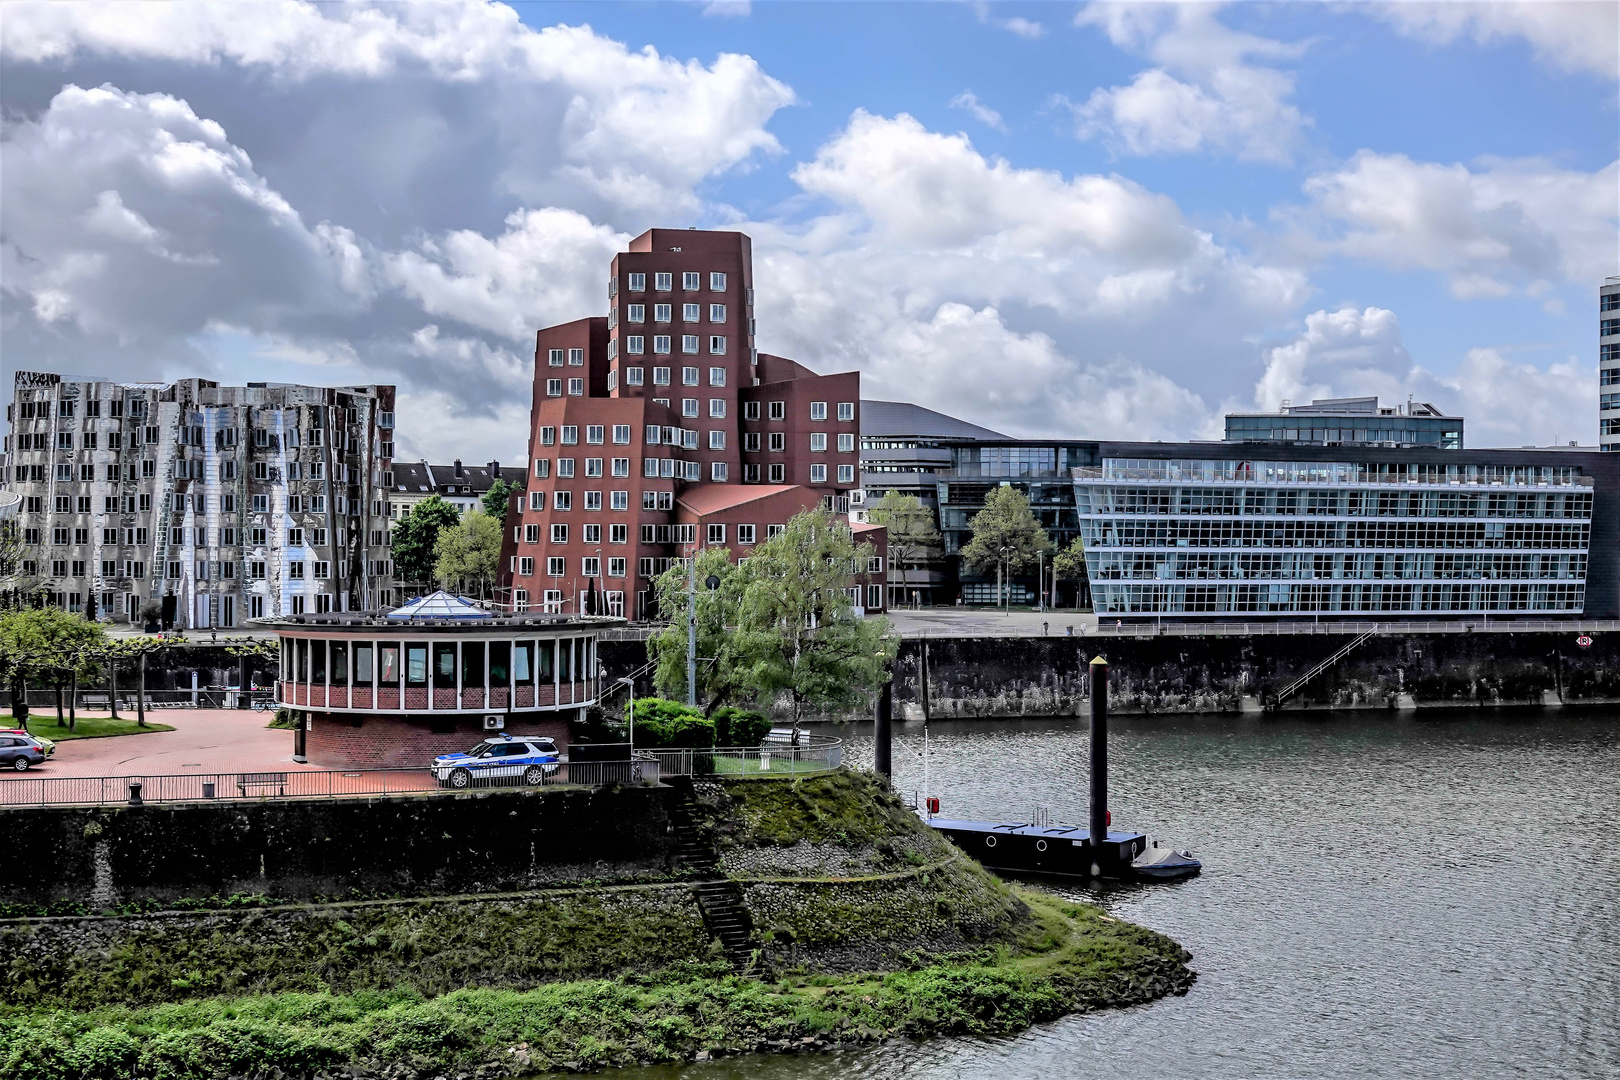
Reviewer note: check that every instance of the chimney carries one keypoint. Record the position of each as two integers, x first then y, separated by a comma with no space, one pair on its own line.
458,468
494,470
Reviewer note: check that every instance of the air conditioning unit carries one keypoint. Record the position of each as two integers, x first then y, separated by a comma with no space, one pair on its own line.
494,723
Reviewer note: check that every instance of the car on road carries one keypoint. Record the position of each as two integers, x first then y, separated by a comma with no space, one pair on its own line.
509,758
22,752
48,745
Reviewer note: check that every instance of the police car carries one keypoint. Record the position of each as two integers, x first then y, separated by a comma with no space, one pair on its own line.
503,758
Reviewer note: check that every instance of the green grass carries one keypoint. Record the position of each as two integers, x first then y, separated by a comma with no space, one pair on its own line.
1071,957
779,766
90,727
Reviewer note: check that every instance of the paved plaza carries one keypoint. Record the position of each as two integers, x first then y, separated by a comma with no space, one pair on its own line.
203,741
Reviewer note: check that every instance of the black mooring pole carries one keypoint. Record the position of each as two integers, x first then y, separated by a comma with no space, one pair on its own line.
882,739
1099,759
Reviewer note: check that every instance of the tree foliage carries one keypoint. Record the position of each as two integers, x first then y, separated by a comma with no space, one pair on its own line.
660,722
416,536
467,554
48,643
782,625
1005,532
913,537
497,499
1070,563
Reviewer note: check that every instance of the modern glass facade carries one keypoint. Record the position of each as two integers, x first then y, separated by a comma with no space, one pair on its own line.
1224,535
1609,365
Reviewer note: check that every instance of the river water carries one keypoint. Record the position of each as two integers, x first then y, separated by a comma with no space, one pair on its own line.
1384,895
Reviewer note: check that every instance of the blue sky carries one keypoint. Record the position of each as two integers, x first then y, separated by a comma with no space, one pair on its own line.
1088,220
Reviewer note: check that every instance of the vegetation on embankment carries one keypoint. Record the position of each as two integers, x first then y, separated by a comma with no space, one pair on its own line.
1069,957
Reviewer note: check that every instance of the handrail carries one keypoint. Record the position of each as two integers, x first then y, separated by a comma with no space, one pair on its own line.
1339,654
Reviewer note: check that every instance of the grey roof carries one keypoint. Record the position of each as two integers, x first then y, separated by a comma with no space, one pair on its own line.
901,418
439,605
420,478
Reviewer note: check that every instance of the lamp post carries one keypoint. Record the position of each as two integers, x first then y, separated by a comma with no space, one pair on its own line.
1040,581
1004,551
630,711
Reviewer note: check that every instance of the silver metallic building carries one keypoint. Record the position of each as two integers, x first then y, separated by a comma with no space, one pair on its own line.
221,503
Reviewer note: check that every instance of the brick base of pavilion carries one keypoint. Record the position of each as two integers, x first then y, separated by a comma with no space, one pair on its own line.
382,741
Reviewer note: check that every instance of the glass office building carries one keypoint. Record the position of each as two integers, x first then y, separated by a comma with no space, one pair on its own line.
1350,422
1202,530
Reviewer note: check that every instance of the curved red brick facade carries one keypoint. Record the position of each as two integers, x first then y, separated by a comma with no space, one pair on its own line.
395,742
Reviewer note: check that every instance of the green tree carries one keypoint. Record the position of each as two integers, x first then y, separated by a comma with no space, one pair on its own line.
496,500
1071,563
797,632
913,538
1006,535
415,537
46,644
467,554
717,674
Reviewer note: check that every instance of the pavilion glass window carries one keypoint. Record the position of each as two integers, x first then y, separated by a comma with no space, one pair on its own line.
388,665
472,663
317,661
363,659
523,663
444,664
500,661
303,661
340,663
416,665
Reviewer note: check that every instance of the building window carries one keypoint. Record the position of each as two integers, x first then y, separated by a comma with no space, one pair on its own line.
633,344
591,566
818,410
542,468
531,532
691,281
663,282
576,387
559,534
593,501
576,357
818,474
632,376
874,598
565,468
621,434
717,440
778,473
618,533
689,406
661,313
661,344
537,500
717,471
593,533
750,409
548,436
717,408
661,375
717,282
773,530
562,500
635,313
553,388
636,282
745,534
691,312
616,566
717,313
846,410
818,442
778,410
554,566
716,534
717,344
555,358
619,500
751,441
846,443
846,474
689,344
778,440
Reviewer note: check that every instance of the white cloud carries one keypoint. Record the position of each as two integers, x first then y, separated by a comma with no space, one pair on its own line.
1016,24
545,268
969,102
1353,353
1583,35
728,8
1493,230
1205,95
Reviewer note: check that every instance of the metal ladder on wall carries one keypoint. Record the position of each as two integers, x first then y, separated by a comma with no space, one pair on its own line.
1299,684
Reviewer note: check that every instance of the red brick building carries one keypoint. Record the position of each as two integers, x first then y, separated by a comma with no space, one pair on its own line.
663,398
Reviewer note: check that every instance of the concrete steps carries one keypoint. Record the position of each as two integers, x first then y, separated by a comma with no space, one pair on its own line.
719,899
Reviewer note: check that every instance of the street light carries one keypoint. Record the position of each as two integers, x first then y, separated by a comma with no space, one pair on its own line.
630,709
1040,581
1004,550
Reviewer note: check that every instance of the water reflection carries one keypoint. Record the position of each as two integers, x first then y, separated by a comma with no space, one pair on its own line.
1429,895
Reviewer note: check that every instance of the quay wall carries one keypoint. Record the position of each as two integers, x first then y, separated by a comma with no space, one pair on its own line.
1047,676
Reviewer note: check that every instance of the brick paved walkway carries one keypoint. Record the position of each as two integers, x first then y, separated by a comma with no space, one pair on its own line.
203,740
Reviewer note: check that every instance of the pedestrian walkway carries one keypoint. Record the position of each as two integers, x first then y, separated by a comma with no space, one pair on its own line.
203,740
988,622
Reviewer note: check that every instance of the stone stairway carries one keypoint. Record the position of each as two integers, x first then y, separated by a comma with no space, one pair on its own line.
719,899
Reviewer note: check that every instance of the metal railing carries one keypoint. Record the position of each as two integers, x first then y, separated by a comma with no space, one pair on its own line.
306,784
1106,628
813,754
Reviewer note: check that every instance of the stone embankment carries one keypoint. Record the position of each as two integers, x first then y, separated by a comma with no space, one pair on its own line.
1046,676
496,952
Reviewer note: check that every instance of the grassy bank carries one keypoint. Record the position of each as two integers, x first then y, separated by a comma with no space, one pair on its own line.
90,727
1069,957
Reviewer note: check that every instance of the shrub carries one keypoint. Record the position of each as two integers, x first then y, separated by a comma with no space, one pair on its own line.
660,722
740,727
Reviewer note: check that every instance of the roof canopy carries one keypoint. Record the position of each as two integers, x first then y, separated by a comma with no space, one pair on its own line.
439,605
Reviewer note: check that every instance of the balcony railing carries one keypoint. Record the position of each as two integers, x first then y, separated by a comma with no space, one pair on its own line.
438,699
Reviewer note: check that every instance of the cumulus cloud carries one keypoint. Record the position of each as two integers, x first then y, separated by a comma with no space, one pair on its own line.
1016,24
1351,352
1207,93
1576,36
969,103
1498,228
